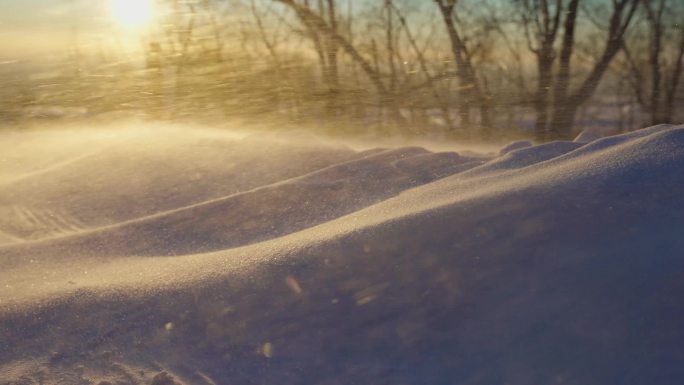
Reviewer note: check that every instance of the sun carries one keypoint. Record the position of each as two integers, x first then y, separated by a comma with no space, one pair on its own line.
132,13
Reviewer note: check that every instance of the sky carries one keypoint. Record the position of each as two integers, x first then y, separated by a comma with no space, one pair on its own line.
57,13
42,26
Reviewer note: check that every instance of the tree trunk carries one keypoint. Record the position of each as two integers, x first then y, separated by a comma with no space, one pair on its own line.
564,120
668,114
561,123
655,48
333,72
469,89
671,95
546,24
541,100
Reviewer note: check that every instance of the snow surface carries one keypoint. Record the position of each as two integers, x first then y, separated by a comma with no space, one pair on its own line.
197,257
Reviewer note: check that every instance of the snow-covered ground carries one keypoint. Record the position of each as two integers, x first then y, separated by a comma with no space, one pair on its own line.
196,257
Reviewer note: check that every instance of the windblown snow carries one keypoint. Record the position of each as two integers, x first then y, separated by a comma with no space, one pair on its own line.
179,257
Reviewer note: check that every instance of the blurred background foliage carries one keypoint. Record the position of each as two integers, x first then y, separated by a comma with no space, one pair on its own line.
436,68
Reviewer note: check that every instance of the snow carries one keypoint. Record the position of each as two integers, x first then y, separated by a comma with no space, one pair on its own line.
518,144
215,258
587,136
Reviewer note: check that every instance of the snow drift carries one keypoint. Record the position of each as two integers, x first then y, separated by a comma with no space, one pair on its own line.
201,258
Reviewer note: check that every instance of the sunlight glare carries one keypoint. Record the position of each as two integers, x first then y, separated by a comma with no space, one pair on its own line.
132,13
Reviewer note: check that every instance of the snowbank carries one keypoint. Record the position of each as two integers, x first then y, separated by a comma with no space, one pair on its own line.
313,263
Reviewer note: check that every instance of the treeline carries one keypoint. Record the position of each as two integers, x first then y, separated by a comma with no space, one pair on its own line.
445,67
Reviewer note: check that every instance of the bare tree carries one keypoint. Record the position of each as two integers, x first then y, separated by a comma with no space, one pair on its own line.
656,90
471,90
424,67
333,68
541,21
555,103
566,101
318,23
